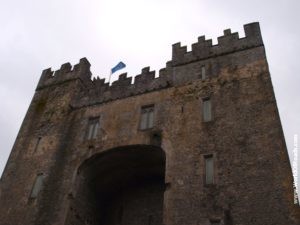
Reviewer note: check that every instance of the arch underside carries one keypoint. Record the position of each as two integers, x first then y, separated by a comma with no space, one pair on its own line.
124,186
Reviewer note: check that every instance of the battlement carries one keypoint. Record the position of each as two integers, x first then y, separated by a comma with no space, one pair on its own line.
65,73
174,74
228,43
99,91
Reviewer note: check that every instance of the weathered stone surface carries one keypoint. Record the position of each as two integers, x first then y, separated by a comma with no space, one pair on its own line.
155,176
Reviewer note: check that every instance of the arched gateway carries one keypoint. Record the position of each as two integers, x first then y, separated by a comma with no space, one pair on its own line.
211,109
124,185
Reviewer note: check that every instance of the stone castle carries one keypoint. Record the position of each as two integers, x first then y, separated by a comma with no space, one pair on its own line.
201,144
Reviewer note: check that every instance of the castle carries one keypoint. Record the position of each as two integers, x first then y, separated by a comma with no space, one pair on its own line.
201,144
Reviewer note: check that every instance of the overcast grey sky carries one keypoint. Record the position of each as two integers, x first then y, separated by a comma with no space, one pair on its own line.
38,34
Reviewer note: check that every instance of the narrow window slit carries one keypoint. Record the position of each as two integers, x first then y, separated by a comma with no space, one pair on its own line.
37,144
150,220
207,110
209,169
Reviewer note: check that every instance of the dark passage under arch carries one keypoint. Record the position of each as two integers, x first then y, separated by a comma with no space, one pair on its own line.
124,185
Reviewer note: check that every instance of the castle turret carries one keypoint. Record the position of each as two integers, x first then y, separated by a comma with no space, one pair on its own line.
200,143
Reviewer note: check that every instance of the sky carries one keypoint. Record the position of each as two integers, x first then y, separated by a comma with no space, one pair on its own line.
38,34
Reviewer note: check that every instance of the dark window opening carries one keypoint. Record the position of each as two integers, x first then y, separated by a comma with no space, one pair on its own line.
215,222
150,220
209,169
37,144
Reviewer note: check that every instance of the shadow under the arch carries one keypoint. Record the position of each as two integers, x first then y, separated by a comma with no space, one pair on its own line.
124,185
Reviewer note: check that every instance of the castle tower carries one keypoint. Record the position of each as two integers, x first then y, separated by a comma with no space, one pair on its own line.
201,144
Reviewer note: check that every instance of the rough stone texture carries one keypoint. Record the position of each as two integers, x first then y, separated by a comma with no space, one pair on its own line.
155,176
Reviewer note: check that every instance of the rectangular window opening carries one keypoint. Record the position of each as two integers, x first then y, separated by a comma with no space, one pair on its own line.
37,186
207,110
150,220
93,127
209,169
147,117
215,221
37,144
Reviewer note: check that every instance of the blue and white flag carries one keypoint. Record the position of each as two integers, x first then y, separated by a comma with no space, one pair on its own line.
119,66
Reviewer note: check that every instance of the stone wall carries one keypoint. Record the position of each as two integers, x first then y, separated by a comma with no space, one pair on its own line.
252,174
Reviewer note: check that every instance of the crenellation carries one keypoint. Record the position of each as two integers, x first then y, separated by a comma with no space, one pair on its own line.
146,70
252,32
202,48
228,39
66,68
165,77
99,82
60,74
65,73
101,92
145,77
123,81
201,143
163,73
169,64
99,86
228,43
83,66
45,76
203,52
227,32
178,52
120,87
201,39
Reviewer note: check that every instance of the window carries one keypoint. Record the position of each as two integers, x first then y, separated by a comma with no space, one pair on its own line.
93,127
147,117
203,73
150,220
215,221
207,110
38,184
37,144
209,169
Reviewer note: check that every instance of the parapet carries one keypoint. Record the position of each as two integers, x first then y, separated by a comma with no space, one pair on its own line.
65,73
98,91
228,43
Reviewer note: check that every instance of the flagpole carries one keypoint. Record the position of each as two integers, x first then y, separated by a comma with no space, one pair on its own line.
109,77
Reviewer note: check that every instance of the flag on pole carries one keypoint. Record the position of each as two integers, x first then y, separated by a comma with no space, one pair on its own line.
119,66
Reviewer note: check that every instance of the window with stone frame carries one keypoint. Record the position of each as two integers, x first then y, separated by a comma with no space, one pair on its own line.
92,129
147,117
206,109
37,145
209,169
37,186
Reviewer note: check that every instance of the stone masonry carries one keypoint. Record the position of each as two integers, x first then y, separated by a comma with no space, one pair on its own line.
82,157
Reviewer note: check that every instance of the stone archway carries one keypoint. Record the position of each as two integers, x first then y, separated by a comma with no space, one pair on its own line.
121,186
